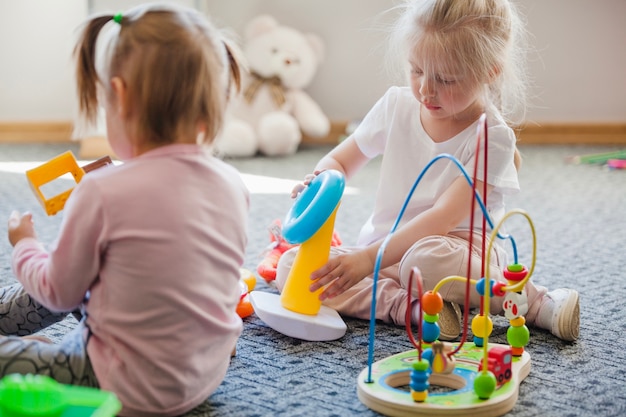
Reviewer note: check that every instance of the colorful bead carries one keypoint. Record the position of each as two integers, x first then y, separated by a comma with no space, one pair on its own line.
482,326
497,289
515,272
419,380
430,331
485,384
480,287
431,318
432,303
518,321
518,336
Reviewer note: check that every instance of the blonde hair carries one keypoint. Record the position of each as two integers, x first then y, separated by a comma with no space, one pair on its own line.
177,68
483,40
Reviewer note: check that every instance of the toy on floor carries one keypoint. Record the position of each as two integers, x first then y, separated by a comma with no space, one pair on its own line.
56,167
247,282
267,267
39,396
298,312
482,378
597,158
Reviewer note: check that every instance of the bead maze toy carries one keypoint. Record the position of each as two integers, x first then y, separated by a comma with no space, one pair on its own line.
481,378
298,312
56,167
41,396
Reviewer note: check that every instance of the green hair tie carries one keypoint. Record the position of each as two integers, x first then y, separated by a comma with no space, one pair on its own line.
118,18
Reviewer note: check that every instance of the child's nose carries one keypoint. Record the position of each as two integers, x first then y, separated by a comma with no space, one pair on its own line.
427,89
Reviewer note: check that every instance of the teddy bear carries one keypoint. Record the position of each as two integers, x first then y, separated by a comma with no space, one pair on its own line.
271,111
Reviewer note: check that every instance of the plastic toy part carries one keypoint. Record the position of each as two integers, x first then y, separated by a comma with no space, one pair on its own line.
56,167
51,170
41,396
247,282
313,206
310,222
312,255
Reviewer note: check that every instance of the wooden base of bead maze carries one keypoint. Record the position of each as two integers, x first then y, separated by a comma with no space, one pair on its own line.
388,392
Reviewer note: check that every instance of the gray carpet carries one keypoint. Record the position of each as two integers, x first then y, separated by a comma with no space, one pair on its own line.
580,216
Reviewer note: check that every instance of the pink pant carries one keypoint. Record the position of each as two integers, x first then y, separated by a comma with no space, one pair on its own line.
436,257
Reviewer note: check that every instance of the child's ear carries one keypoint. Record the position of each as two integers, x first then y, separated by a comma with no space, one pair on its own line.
494,74
120,96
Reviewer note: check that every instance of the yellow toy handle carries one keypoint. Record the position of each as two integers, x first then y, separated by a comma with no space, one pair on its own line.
311,255
311,222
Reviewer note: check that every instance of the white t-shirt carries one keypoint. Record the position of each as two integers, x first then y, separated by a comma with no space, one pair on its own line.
393,128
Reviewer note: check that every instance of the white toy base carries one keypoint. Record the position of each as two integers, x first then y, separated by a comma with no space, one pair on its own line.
326,325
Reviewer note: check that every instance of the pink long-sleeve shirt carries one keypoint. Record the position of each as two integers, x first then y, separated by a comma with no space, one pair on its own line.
158,242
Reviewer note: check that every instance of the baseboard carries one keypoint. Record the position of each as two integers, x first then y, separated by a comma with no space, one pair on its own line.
36,132
539,134
573,134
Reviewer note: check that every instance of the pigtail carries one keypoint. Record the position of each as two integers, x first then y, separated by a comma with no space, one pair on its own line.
86,73
234,67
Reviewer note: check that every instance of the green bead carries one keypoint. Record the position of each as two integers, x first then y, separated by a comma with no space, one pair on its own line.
431,318
485,384
518,336
515,267
421,365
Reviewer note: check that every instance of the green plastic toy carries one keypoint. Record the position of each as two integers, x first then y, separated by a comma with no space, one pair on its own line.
42,396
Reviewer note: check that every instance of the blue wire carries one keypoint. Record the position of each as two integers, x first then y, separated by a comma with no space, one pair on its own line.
383,246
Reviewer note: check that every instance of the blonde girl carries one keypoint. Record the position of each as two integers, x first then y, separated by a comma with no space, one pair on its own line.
151,249
463,57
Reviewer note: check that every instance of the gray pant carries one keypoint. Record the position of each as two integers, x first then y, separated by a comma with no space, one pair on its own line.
21,315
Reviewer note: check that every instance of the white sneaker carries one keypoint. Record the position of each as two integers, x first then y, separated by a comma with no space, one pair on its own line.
559,313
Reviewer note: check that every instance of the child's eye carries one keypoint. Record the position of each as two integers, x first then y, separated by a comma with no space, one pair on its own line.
417,71
445,81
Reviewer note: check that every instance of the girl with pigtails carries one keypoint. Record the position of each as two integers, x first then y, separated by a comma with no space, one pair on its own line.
145,249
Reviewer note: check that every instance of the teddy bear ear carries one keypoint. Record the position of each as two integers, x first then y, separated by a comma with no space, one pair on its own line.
317,44
259,25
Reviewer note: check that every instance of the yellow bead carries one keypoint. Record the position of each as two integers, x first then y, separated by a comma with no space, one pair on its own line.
518,321
419,396
478,326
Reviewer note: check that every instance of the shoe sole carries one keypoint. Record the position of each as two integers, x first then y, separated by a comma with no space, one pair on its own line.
567,328
450,322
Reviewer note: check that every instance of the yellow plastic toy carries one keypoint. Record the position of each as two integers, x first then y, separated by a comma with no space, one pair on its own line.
298,312
56,167
312,255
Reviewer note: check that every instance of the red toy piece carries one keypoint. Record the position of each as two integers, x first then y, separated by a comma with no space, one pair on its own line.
247,282
267,267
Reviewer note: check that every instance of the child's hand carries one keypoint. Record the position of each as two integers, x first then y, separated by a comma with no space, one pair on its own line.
300,187
20,227
340,273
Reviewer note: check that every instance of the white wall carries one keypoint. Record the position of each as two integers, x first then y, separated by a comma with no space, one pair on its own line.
579,68
36,70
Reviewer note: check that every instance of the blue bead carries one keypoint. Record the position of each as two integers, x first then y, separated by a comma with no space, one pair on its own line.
478,341
480,287
419,387
430,331
428,355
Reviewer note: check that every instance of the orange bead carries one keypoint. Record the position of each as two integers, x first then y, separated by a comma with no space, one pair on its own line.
432,303
517,351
